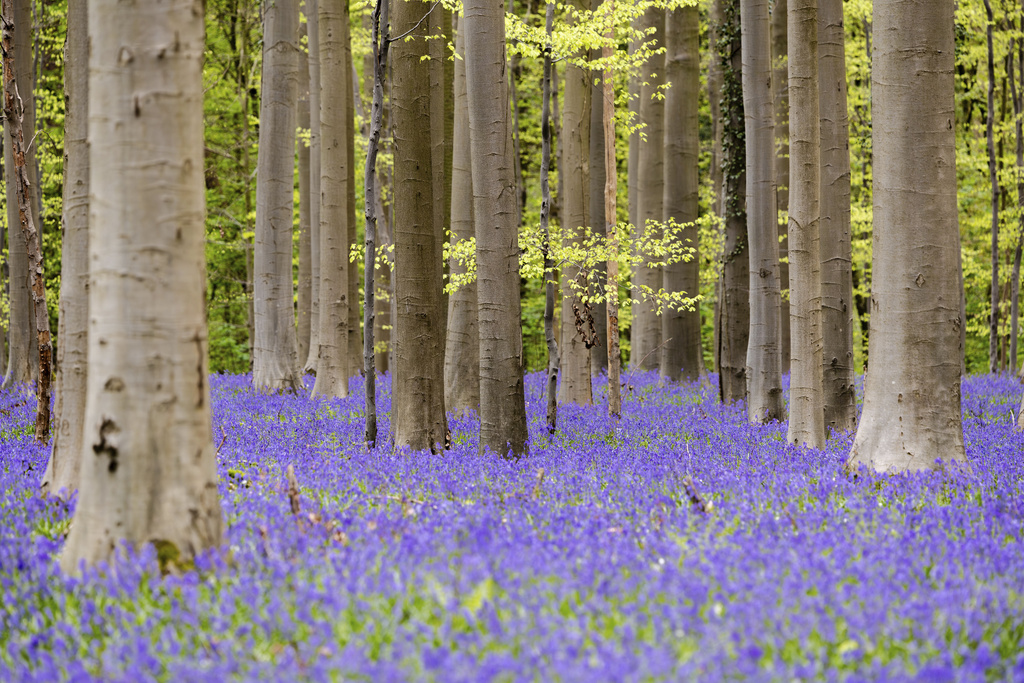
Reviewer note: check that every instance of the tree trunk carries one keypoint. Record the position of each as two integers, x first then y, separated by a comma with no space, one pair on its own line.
275,363
14,114
332,371
305,288
764,363
734,287
502,397
462,350
806,408
417,397
1017,95
355,336
599,273
911,418
574,352
993,320
379,45
681,354
309,363
545,215
646,337
151,475
840,401
780,89
62,471
715,97
22,363
611,226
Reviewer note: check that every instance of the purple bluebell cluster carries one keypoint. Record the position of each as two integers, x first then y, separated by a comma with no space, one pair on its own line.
676,543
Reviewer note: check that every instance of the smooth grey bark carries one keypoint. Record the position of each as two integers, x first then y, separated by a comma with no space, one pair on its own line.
780,89
275,360
305,284
502,394
315,170
462,349
806,406
23,354
576,323
764,363
355,333
912,415
734,285
839,397
62,470
598,278
149,472
417,396
680,356
646,335
332,366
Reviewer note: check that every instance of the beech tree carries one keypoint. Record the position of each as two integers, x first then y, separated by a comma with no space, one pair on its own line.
151,474
275,351
332,365
573,351
315,171
839,398
645,333
62,470
462,347
417,415
912,415
733,318
502,392
763,366
806,410
680,356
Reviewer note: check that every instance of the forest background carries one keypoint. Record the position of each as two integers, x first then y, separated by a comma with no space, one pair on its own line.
232,102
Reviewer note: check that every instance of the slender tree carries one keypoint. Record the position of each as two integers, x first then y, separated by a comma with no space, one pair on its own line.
734,286
332,367
151,474
646,330
611,222
22,363
275,360
780,89
839,398
806,408
18,176
681,353
305,284
417,396
545,215
315,175
462,349
764,365
993,179
502,394
1017,95
62,471
574,349
599,311
380,41
911,418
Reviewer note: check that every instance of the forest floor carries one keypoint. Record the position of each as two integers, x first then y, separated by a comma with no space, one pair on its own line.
677,543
